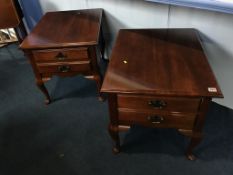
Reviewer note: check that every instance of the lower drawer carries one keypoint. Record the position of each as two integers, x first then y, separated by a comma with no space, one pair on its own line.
179,121
81,66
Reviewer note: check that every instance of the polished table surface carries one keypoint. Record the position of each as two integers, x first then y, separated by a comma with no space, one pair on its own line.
161,61
65,29
159,78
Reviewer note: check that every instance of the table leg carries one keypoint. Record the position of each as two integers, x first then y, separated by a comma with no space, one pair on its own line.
113,131
98,81
42,87
196,135
113,126
102,43
95,66
193,143
39,82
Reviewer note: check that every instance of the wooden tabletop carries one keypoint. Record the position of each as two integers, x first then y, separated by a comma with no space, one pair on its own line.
65,29
168,62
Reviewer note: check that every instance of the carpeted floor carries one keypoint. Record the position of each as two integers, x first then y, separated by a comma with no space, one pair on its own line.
69,137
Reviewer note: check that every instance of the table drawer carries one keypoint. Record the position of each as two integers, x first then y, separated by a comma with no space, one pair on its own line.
61,55
158,103
179,121
81,66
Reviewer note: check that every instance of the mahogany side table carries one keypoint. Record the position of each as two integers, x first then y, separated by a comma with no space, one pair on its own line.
159,78
65,43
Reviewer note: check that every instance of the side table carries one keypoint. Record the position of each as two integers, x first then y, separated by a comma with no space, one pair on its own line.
66,43
159,78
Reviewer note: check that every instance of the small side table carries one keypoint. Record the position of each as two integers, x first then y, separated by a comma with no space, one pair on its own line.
66,43
159,78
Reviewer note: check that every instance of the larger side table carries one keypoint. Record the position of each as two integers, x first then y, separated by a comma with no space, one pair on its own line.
159,78
65,43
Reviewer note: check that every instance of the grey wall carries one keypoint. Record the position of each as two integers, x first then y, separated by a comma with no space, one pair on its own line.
216,29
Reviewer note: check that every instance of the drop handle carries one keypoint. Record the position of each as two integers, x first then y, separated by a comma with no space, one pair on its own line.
60,56
157,104
155,119
64,68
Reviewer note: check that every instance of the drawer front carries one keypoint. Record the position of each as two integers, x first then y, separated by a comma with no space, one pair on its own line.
81,66
159,103
61,55
181,121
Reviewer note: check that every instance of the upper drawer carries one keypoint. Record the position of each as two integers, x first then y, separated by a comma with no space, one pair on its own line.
173,104
61,54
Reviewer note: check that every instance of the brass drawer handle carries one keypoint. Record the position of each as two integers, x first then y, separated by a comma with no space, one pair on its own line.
158,104
64,69
155,119
60,56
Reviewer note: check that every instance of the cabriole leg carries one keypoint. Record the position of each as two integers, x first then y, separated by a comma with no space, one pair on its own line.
98,81
113,131
193,143
42,87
